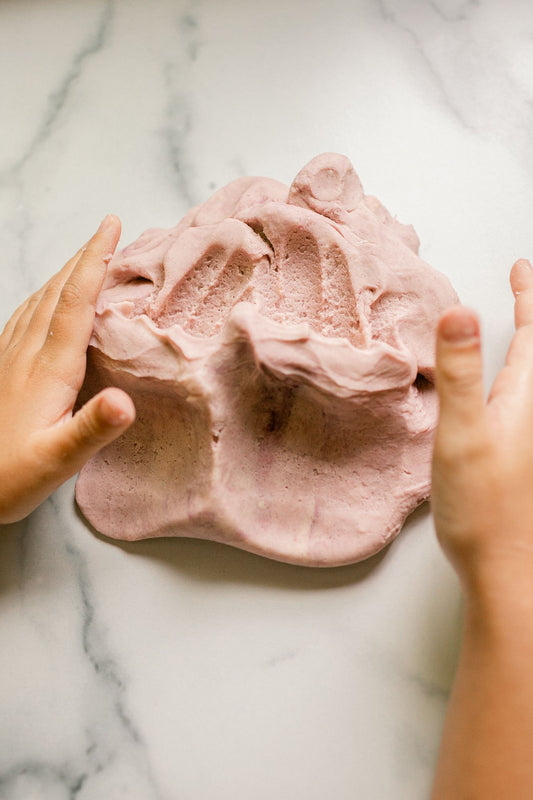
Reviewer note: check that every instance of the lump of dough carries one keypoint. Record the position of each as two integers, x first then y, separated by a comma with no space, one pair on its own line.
279,347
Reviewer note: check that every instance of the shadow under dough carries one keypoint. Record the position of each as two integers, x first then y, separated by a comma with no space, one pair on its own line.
209,562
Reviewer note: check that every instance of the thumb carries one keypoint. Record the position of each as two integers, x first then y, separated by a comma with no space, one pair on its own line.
101,420
459,371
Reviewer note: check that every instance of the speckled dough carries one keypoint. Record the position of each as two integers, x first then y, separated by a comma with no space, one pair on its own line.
279,347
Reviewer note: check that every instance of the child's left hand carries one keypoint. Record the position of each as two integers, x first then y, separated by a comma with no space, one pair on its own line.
42,366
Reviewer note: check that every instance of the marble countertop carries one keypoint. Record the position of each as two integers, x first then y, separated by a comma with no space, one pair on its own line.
177,669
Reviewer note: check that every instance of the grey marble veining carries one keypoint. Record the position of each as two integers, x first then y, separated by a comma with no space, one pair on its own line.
105,741
58,97
181,669
479,56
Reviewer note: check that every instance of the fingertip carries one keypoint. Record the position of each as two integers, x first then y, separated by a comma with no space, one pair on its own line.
116,407
459,325
108,233
110,222
522,264
521,276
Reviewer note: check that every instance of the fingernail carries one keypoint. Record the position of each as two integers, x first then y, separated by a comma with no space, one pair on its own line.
460,327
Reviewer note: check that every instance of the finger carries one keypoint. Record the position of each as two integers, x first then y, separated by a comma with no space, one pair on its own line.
12,321
72,320
519,360
39,322
522,286
458,375
101,420
24,317
18,322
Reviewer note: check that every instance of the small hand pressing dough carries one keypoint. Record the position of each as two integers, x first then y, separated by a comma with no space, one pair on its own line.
279,348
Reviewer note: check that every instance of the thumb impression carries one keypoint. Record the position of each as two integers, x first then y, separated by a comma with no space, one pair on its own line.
459,370
101,420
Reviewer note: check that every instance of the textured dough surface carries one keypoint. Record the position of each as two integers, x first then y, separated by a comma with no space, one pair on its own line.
278,344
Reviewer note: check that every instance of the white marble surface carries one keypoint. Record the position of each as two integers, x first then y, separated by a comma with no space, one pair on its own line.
175,670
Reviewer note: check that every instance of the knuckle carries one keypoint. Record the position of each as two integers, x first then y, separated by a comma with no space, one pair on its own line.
467,446
71,296
462,376
93,250
445,455
33,301
50,291
89,429
463,385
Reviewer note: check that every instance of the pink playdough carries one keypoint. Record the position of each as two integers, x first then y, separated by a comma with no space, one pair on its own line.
279,347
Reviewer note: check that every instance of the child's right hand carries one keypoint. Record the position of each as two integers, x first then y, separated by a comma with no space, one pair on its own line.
42,366
482,495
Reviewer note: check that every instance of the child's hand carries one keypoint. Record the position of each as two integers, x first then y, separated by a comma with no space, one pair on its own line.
42,367
482,500
482,494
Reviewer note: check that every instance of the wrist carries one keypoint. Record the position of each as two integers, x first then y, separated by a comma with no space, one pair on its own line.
499,601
